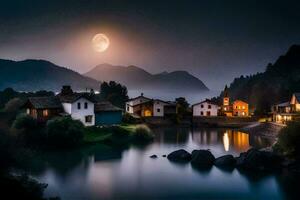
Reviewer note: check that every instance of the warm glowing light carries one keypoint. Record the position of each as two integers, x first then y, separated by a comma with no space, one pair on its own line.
226,141
148,113
100,42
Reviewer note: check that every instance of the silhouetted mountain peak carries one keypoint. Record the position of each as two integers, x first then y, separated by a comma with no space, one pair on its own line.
137,78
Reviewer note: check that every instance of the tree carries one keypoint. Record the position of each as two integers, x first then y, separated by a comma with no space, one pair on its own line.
13,105
115,93
28,130
182,108
64,132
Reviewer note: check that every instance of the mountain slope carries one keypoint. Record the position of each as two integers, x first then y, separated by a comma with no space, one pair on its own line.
136,78
31,75
275,85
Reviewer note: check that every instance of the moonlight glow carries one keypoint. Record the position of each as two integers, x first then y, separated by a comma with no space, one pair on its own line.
100,42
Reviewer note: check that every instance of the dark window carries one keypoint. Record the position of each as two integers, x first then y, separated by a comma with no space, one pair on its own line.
201,113
158,109
78,106
202,106
127,108
88,118
85,105
208,113
209,106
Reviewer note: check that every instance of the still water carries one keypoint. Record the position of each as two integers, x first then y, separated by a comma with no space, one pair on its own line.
99,172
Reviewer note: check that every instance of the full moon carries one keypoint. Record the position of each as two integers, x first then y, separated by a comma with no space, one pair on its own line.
100,42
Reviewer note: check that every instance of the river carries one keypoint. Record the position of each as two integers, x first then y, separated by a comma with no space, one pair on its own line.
99,172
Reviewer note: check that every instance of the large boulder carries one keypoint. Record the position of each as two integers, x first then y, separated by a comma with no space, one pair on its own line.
254,159
225,161
180,156
202,158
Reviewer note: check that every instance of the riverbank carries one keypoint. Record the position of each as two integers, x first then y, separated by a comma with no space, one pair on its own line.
223,121
263,129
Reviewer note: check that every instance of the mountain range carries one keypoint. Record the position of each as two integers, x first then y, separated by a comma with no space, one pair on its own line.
137,78
32,75
275,85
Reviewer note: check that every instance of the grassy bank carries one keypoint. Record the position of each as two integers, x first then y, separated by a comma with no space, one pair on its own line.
121,134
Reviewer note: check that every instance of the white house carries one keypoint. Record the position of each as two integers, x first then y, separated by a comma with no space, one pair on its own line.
205,108
132,104
79,106
146,107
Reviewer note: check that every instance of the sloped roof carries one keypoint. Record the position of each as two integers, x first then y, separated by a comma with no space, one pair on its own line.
106,106
208,101
70,98
297,95
141,96
240,101
45,102
284,104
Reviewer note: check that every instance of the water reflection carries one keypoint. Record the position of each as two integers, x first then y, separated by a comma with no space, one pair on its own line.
226,141
99,171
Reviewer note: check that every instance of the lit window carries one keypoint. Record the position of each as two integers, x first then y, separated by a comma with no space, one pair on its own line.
88,119
225,108
78,106
28,111
45,113
85,105
243,107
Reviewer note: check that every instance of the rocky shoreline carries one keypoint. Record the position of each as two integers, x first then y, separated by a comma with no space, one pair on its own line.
254,160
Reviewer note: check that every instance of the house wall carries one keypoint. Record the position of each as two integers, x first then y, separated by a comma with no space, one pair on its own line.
197,109
240,108
81,113
108,118
158,108
297,107
67,107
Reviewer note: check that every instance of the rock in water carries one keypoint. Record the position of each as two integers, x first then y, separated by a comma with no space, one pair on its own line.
153,156
202,158
225,161
257,160
180,156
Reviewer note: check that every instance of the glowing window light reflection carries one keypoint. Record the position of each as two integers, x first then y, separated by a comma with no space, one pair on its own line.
226,141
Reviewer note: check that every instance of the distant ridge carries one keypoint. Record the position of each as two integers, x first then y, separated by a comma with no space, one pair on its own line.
32,75
137,78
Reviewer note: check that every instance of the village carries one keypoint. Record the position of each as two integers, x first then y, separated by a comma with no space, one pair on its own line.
86,107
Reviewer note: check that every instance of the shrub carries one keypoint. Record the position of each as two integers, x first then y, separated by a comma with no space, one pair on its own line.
289,139
28,129
129,119
6,151
143,134
13,105
64,132
22,187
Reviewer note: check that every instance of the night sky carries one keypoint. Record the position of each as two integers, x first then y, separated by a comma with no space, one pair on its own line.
213,40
